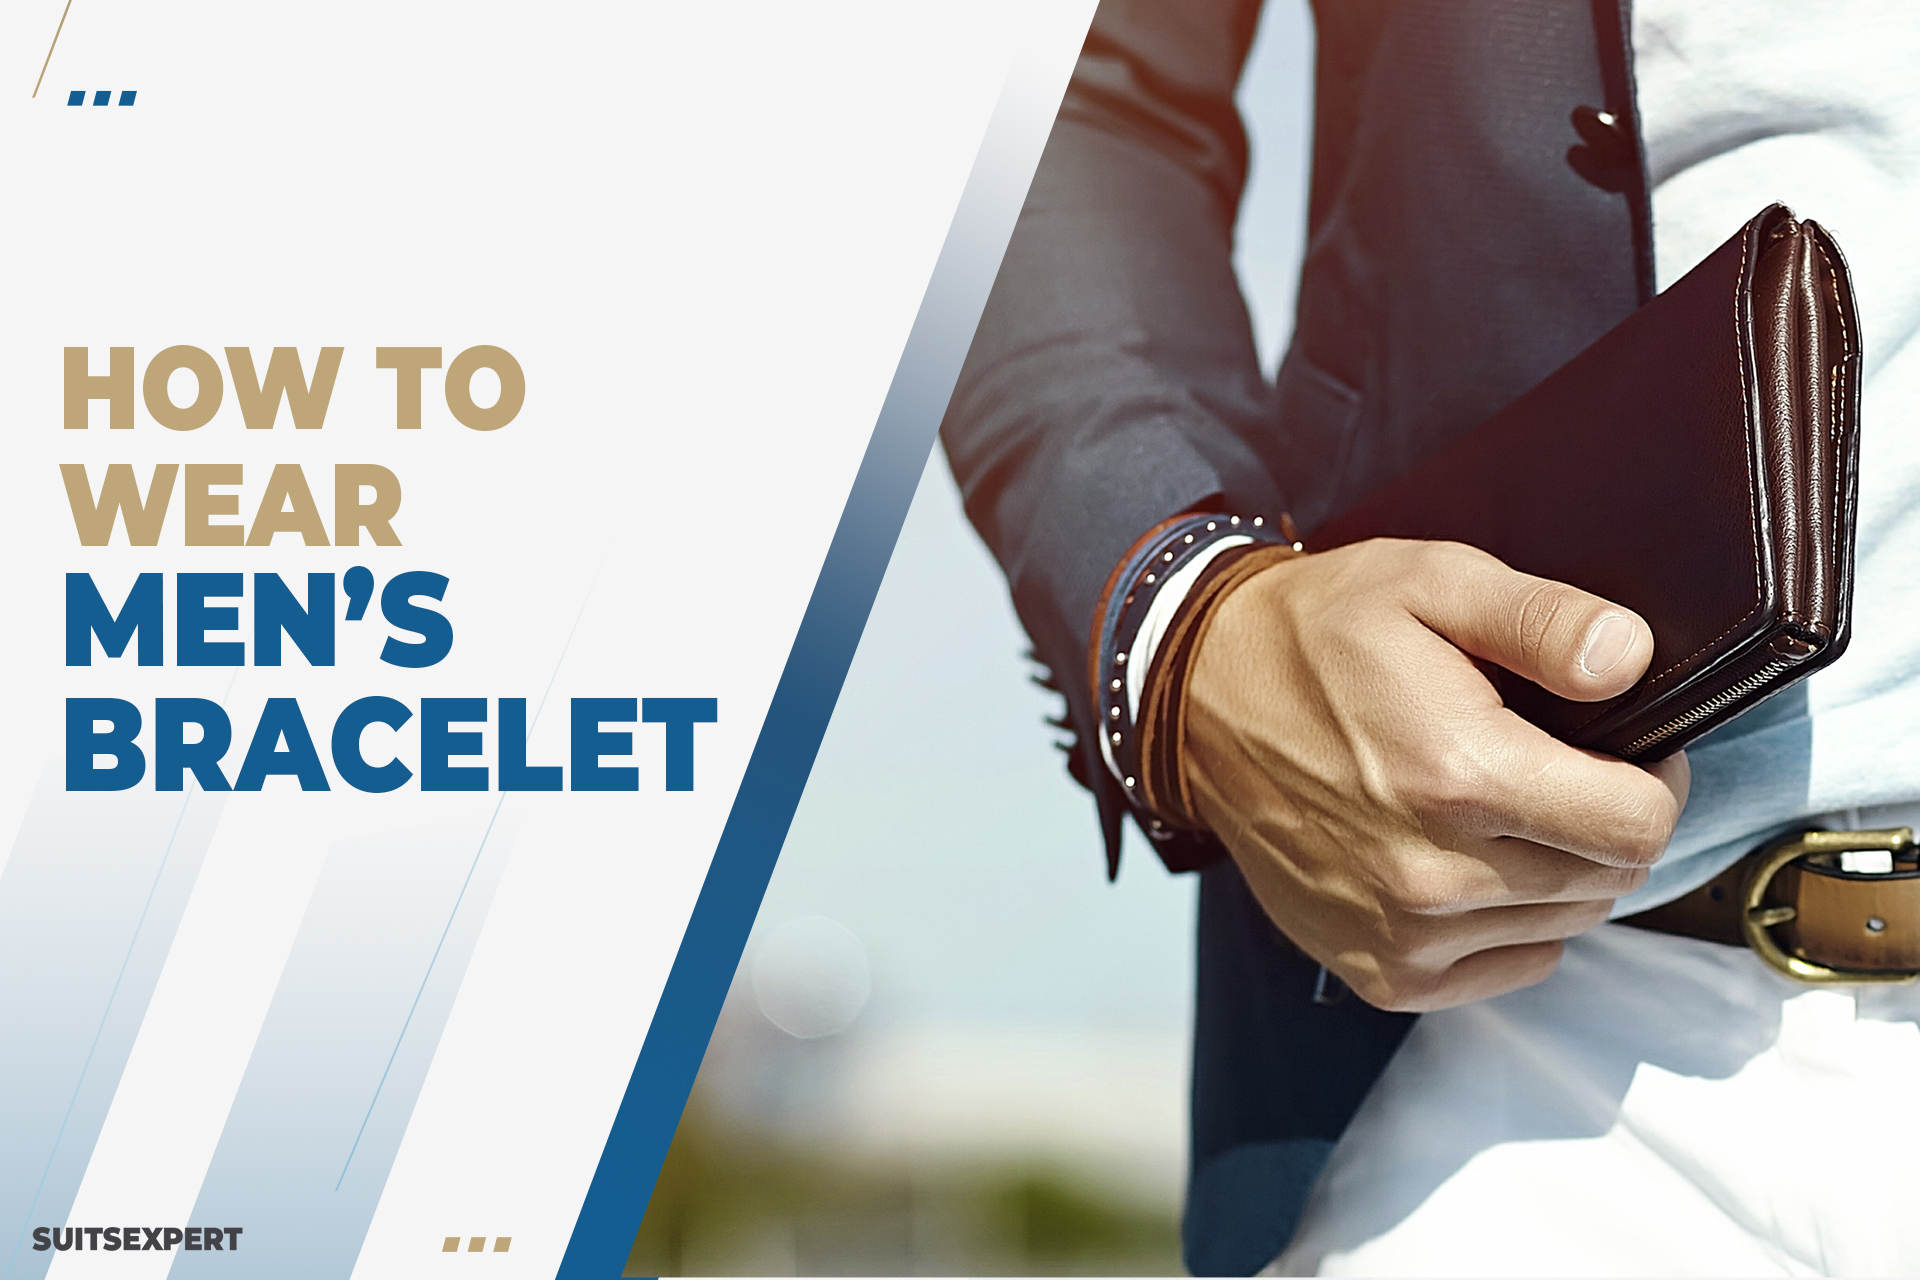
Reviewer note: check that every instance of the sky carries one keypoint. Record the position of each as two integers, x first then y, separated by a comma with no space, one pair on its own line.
939,826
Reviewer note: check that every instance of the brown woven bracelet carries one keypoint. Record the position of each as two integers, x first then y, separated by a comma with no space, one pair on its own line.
1163,716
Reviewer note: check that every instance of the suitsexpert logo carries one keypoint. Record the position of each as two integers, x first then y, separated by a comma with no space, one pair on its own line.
136,1239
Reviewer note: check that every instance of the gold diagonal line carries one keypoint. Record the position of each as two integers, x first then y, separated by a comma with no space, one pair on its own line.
56,40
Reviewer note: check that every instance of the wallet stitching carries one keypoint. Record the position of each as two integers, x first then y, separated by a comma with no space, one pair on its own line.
1753,515
1839,312
1837,385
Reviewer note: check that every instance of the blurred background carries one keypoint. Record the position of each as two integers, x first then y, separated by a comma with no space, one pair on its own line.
952,1047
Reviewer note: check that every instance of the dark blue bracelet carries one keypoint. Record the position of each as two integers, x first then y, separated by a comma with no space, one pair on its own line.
1153,564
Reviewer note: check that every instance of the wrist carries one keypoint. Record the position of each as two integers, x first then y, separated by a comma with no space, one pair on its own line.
1156,608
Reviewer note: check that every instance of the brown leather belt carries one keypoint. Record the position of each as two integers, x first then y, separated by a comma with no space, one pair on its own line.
1819,906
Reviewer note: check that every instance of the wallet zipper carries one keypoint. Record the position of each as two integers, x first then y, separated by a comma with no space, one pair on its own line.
1712,706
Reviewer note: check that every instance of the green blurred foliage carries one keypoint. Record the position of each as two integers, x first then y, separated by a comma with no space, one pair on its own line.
734,1203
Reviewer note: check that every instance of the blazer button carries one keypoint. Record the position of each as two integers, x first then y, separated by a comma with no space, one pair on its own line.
1606,156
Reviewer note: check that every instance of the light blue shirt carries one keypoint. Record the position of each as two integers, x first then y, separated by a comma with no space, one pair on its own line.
1742,103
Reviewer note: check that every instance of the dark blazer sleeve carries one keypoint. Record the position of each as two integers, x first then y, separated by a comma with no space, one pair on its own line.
1113,380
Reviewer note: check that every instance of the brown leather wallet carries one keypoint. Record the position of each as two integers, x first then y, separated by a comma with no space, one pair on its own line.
1698,464
1806,912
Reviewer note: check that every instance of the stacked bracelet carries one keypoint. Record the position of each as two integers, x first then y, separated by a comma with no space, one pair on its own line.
1141,608
1160,723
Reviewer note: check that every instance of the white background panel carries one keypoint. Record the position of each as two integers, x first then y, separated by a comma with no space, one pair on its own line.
704,232
199,1029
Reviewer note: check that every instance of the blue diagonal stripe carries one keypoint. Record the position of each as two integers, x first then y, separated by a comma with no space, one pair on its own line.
803,701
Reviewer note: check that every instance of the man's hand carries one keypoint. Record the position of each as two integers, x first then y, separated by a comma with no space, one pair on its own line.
1395,820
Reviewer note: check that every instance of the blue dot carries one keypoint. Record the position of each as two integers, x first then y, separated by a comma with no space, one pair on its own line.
126,97
102,97
78,98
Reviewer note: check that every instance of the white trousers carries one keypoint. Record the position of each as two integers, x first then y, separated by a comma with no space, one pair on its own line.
1658,1107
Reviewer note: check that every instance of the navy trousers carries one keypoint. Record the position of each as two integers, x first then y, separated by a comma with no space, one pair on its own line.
1276,1078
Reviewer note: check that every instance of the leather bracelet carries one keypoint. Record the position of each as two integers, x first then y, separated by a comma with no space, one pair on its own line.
1148,623
1162,721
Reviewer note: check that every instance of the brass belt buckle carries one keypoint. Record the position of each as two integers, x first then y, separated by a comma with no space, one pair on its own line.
1758,918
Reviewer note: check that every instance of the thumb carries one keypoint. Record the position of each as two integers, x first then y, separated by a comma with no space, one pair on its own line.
1566,640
